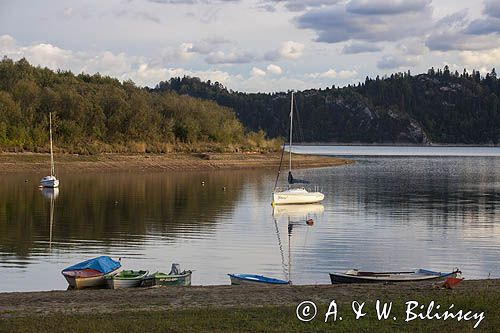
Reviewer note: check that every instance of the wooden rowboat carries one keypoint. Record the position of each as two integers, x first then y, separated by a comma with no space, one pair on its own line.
87,278
163,279
238,279
91,273
126,279
355,276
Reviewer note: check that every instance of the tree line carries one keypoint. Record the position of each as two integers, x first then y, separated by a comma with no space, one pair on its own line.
95,113
439,106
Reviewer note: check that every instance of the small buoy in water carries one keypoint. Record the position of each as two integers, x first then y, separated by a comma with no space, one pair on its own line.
310,222
224,188
116,202
25,180
202,183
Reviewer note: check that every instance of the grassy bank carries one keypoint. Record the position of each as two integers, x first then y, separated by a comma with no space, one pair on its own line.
245,309
33,162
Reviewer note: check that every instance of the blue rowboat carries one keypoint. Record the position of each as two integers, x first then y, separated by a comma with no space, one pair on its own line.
237,279
355,276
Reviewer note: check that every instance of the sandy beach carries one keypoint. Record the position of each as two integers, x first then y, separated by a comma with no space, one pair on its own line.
32,162
246,308
164,298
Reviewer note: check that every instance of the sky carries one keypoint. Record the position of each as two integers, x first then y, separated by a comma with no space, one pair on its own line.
253,45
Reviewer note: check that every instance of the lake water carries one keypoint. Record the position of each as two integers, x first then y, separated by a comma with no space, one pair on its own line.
381,213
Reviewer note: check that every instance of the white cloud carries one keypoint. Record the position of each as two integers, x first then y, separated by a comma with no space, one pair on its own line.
118,65
357,47
274,69
488,58
397,61
185,51
221,57
412,47
154,74
68,11
8,45
257,72
333,74
294,5
141,70
292,50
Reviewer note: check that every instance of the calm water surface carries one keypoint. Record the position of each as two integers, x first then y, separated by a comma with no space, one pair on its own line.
381,213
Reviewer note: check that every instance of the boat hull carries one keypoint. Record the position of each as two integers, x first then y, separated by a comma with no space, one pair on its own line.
159,279
419,275
297,197
115,282
49,182
249,279
82,282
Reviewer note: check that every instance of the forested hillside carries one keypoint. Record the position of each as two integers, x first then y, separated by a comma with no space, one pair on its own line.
93,114
96,114
438,107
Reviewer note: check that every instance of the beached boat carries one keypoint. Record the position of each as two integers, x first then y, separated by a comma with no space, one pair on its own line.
50,181
163,279
355,276
176,277
91,273
126,279
238,279
291,195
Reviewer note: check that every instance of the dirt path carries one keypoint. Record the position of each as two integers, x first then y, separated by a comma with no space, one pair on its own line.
164,298
31,162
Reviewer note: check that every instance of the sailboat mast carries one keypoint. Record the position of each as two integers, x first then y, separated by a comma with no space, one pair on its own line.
52,170
291,131
290,227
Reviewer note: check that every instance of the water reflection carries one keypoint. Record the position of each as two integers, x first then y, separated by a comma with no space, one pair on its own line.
51,194
298,212
380,213
113,209
295,216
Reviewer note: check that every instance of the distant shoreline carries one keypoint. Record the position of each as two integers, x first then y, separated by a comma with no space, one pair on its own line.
11,163
360,144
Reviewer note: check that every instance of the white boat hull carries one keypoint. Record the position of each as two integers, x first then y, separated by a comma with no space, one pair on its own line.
300,196
50,182
353,276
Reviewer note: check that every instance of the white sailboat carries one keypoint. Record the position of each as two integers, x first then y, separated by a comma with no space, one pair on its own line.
50,181
294,195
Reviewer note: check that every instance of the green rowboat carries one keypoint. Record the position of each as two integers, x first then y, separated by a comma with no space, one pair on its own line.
126,279
162,279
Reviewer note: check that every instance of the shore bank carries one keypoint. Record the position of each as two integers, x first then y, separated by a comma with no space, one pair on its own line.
32,162
245,308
